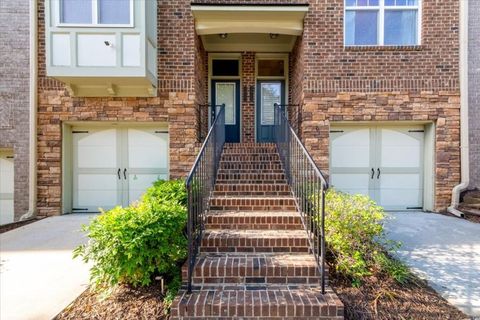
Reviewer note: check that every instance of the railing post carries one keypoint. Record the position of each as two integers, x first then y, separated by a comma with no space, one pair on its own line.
190,239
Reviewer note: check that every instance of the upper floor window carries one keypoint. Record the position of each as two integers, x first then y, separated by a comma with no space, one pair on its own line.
382,22
95,12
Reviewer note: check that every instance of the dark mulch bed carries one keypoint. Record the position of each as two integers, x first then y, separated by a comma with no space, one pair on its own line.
124,303
15,225
384,299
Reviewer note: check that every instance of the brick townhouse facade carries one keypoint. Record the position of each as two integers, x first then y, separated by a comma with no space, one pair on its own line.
330,87
14,110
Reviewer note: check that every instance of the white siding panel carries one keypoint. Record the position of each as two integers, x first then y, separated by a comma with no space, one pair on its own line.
92,51
131,50
61,49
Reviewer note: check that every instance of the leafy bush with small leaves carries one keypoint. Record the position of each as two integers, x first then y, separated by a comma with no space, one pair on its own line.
132,245
355,237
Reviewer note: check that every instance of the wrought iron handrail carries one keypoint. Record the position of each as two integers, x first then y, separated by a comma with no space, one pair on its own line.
308,185
199,184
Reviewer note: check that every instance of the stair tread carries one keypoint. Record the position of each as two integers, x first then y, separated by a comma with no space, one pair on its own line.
266,259
251,197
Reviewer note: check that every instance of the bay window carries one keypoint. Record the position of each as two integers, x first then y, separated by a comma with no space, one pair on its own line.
382,22
95,12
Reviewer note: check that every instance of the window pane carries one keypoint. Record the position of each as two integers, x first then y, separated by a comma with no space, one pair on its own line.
76,11
350,3
271,68
270,94
389,2
361,27
225,93
401,27
114,11
225,67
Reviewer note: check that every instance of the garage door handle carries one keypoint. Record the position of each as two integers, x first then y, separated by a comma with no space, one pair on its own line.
378,173
373,173
125,173
118,174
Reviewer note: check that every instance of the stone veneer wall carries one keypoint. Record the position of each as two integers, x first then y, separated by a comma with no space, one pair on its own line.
474,92
14,95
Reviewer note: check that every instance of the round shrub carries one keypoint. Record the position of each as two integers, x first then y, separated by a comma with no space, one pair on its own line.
131,245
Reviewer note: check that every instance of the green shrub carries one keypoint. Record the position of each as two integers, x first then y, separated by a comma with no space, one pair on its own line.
355,237
131,245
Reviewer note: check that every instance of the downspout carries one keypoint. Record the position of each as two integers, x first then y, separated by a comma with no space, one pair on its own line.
33,49
464,132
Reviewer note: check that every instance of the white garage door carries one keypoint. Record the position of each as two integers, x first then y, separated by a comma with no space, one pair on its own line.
6,187
385,163
115,166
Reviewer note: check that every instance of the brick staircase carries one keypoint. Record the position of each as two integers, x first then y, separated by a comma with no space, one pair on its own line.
254,260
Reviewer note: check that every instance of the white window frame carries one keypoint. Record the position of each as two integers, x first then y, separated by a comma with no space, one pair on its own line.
95,16
381,22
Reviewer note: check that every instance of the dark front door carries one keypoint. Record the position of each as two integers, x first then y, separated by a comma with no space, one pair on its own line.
228,92
268,93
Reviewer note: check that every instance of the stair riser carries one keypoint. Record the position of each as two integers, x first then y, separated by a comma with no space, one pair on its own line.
252,188
256,181
251,166
258,304
251,176
259,245
250,157
255,172
254,223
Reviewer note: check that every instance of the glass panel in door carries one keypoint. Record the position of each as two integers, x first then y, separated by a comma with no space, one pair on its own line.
268,93
228,92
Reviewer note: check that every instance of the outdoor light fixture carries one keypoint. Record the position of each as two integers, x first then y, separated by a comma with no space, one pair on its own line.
273,35
223,35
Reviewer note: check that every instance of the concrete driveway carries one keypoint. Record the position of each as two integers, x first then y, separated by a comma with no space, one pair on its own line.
38,277
443,250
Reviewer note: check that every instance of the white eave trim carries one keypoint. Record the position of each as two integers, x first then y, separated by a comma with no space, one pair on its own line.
286,19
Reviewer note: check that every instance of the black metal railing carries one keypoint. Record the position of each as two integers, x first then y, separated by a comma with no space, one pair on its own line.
206,116
199,183
308,185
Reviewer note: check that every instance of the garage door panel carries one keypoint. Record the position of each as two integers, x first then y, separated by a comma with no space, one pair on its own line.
6,211
348,143
147,149
97,191
96,149
6,187
138,183
399,199
115,166
394,153
351,183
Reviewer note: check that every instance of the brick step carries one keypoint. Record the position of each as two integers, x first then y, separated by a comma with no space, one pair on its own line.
242,157
471,198
252,203
270,302
250,171
251,220
257,181
254,241
261,190
237,165
254,150
277,268
251,176
248,145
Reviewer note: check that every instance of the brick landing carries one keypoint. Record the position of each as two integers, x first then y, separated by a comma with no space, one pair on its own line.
254,261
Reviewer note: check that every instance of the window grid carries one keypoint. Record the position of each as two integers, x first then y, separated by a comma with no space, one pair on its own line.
95,17
381,8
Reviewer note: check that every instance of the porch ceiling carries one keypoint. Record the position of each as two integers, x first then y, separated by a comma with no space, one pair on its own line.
266,19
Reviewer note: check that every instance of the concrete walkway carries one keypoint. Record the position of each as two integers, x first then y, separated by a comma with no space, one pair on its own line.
443,250
38,277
